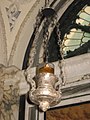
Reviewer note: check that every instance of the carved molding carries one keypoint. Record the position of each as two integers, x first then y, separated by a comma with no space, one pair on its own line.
3,44
12,13
12,85
20,31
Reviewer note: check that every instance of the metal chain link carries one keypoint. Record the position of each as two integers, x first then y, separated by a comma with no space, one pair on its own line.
61,62
49,22
47,3
45,41
33,49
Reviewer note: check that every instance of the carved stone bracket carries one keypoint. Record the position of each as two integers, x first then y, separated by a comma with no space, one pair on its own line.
12,85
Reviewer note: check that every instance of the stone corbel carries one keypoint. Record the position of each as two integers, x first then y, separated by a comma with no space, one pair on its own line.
12,86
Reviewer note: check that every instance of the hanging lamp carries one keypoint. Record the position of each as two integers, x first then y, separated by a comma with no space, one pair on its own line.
43,87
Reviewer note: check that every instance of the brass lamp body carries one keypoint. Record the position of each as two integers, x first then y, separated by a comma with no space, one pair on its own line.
45,95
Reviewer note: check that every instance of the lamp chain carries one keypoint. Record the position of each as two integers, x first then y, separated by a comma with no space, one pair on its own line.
45,41
49,22
37,24
47,3
61,44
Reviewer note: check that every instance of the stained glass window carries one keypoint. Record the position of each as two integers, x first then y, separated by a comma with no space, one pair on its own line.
81,34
